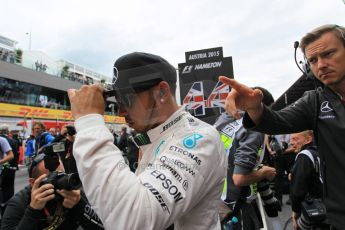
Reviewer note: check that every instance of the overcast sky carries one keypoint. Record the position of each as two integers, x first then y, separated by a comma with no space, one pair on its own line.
259,35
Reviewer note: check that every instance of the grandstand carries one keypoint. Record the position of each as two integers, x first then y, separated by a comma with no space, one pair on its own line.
33,86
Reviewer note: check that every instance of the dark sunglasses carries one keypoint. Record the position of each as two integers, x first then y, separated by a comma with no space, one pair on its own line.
125,100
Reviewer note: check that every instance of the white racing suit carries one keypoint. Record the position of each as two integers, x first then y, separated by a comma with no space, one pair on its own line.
179,179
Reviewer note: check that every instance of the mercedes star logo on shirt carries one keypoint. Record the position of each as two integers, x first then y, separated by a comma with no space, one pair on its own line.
325,107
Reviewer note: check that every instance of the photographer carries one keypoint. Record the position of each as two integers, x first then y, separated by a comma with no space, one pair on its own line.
305,178
41,206
182,170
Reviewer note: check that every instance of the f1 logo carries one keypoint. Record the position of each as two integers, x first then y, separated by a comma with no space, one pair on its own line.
187,69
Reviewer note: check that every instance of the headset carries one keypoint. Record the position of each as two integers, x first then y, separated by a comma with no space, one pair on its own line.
305,69
305,65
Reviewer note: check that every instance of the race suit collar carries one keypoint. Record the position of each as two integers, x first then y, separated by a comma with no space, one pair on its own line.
155,133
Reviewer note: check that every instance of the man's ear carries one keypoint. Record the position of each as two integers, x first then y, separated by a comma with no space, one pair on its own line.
161,95
164,90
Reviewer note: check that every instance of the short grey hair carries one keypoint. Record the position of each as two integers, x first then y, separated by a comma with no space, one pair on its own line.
4,129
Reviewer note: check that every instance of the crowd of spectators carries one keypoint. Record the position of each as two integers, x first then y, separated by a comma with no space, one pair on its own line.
7,56
10,56
21,93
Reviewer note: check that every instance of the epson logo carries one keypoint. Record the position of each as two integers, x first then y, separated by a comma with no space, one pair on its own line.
168,185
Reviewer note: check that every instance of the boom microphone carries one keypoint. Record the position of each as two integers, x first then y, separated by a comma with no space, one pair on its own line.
306,68
295,45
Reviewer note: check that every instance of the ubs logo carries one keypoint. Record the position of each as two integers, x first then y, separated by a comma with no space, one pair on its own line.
325,107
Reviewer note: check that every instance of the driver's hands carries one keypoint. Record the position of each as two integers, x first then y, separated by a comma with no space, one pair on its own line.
86,100
41,195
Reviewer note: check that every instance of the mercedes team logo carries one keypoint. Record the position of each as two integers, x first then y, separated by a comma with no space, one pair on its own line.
325,107
116,75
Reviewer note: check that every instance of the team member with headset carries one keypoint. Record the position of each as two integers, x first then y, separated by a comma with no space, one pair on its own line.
322,111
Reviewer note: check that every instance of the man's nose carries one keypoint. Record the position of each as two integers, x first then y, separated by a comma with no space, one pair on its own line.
321,63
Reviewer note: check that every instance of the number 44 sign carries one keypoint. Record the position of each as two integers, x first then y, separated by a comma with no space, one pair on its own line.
195,101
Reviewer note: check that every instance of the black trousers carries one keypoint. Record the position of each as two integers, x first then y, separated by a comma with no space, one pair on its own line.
7,178
7,184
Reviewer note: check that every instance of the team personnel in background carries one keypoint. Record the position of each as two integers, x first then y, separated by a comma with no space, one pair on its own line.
29,150
42,138
306,182
40,206
181,173
6,155
123,140
245,149
322,111
8,173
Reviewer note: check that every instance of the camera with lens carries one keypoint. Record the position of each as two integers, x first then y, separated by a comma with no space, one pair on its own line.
313,210
270,202
60,180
